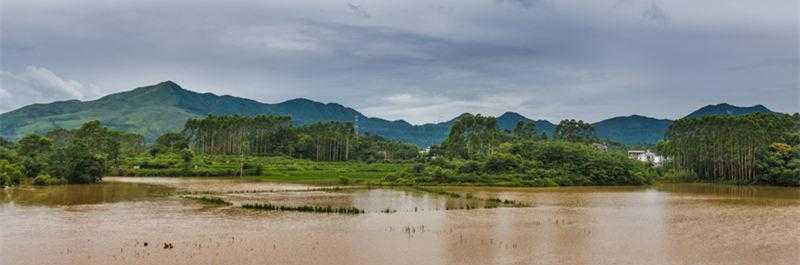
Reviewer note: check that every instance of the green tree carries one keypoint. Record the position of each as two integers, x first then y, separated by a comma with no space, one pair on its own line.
10,174
75,163
780,165
575,131
33,150
526,131
172,141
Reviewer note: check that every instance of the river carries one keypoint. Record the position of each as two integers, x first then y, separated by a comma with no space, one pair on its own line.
129,221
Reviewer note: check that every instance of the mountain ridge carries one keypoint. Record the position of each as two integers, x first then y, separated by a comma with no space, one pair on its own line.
153,110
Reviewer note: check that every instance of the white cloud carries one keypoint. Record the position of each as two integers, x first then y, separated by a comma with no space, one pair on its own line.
38,85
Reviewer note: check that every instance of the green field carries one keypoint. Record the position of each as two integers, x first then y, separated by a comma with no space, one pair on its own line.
283,169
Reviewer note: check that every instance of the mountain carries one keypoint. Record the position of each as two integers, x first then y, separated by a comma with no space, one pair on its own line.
632,129
726,109
164,107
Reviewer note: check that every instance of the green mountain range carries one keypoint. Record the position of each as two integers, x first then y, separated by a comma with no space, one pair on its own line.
726,109
165,107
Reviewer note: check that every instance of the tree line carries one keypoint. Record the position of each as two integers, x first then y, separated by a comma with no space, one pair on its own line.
82,155
754,148
476,151
275,135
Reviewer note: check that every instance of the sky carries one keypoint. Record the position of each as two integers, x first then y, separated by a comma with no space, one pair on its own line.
420,61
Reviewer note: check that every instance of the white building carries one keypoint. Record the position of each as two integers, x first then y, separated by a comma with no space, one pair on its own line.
646,156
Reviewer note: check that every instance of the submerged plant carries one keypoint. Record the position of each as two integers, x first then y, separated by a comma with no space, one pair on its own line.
303,208
208,200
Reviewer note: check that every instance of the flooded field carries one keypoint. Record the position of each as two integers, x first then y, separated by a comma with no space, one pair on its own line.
150,221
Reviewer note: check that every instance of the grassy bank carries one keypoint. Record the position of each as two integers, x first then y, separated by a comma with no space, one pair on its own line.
282,169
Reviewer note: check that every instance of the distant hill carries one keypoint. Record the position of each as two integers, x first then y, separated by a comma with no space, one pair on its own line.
726,109
632,129
165,107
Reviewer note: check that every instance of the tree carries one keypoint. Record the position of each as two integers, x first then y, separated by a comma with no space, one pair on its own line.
76,164
526,130
574,131
33,145
187,156
172,141
33,150
729,148
780,165
473,136
10,174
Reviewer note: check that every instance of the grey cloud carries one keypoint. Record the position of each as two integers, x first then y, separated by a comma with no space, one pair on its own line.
656,14
358,11
421,62
527,4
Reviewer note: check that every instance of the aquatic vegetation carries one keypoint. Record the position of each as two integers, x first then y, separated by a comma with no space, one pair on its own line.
437,191
208,200
303,208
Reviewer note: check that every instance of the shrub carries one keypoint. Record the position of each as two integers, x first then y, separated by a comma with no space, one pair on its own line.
75,164
470,166
780,165
46,180
344,180
437,173
501,162
10,174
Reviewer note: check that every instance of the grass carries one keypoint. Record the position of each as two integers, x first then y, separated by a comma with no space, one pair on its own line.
303,208
208,200
437,191
278,169
326,173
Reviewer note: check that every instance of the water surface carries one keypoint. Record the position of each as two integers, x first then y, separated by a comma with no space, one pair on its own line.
109,223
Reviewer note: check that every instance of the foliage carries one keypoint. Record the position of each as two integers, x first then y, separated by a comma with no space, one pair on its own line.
345,180
527,131
172,141
780,165
472,136
575,131
302,208
46,180
33,150
734,148
75,163
208,200
274,135
517,158
10,174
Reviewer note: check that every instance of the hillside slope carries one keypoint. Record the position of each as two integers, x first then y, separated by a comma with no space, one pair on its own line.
164,107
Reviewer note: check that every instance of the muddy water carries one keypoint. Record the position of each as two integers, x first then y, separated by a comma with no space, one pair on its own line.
110,223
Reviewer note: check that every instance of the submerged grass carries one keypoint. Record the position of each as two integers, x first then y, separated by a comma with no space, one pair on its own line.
437,191
302,208
208,200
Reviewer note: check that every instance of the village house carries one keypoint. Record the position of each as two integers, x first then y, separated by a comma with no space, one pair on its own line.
646,156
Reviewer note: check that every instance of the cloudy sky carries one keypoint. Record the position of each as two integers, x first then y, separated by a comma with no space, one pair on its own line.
422,61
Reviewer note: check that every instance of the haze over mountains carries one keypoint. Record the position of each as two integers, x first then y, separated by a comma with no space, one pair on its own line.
164,107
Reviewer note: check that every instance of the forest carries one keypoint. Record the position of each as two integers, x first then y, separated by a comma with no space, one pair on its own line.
477,152
212,146
759,148
752,149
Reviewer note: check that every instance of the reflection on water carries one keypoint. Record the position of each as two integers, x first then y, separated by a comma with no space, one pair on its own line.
737,192
667,224
106,192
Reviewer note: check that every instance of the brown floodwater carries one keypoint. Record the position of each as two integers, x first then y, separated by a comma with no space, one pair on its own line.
128,221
